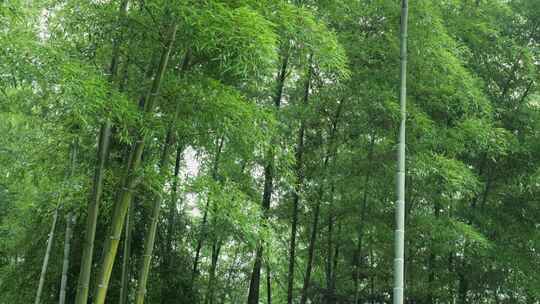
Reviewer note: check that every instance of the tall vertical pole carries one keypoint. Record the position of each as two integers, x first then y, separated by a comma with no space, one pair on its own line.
70,221
400,186
46,259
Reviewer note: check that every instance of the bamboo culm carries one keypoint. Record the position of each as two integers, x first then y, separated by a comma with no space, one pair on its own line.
151,232
400,185
363,212
331,150
297,190
268,282
166,262
46,259
210,290
97,189
202,237
129,181
150,236
70,221
124,281
253,292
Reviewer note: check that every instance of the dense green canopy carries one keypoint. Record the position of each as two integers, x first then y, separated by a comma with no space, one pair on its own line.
244,151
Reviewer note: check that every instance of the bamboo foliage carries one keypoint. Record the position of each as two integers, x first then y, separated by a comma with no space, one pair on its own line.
253,293
151,233
286,128
328,158
130,180
97,187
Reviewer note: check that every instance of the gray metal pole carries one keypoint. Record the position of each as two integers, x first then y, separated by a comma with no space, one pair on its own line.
400,186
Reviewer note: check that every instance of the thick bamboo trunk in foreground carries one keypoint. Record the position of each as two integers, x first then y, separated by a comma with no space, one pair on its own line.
400,185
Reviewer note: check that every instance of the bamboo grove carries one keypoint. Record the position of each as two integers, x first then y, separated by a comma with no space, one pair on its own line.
244,151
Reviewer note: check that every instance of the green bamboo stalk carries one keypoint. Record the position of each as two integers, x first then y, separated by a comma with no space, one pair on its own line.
46,259
97,189
70,220
253,292
268,282
167,261
210,290
129,181
124,284
298,187
202,237
151,232
363,213
92,215
330,154
149,240
400,186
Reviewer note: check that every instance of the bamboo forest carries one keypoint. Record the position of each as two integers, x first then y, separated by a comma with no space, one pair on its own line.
269,151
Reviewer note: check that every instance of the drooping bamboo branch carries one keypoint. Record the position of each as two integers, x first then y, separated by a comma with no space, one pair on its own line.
400,187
